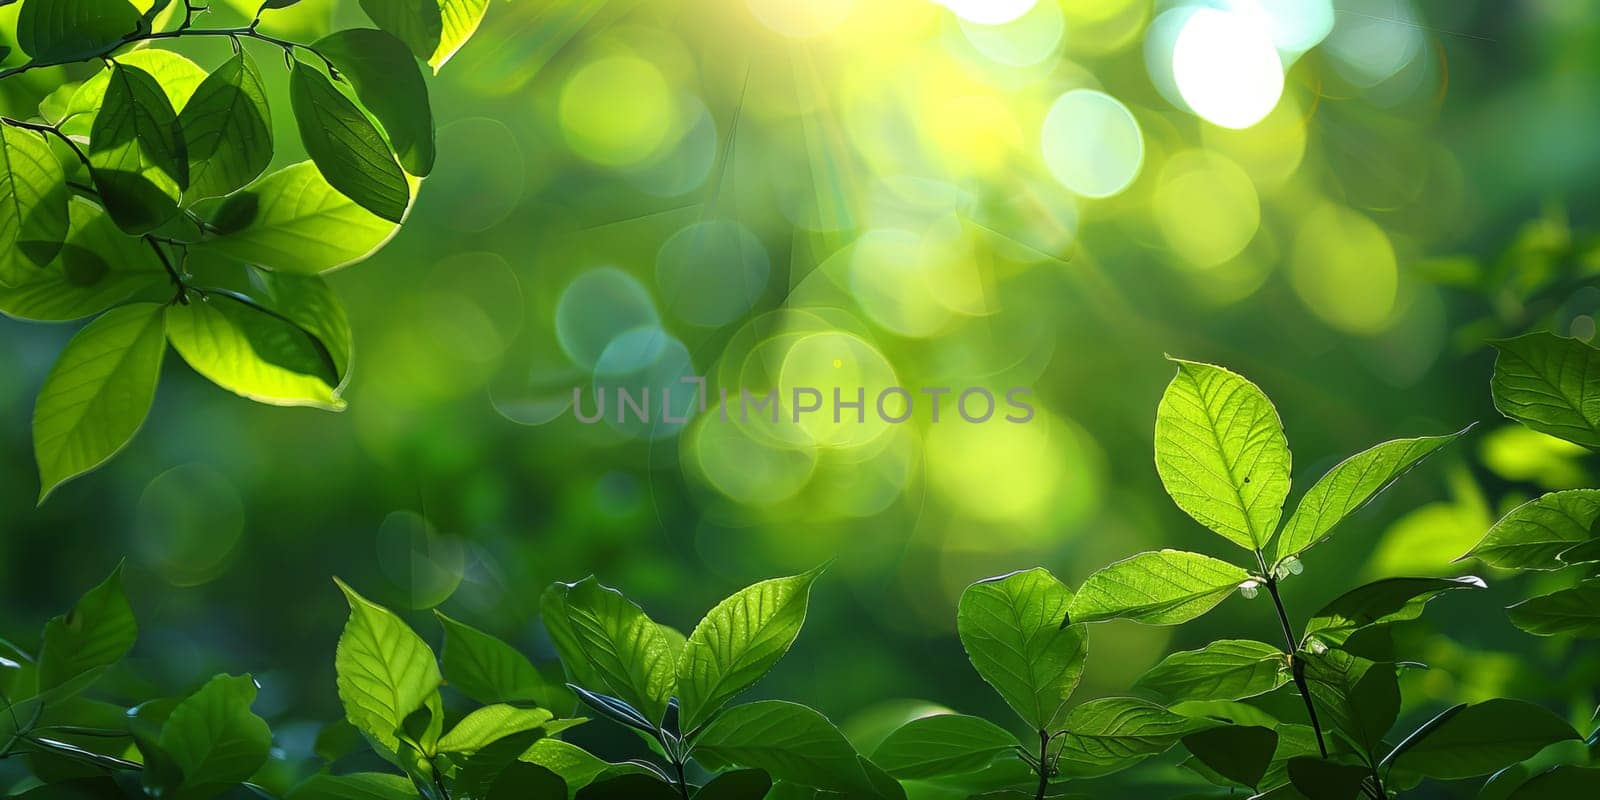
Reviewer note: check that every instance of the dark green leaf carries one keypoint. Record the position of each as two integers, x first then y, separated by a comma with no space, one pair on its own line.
790,742
359,786
943,744
416,22
1482,738
84,642
1114,733
1536,533
1550,384
628,787
1320,779
98,393
227,129
489,670
1380,602
1357,697
523,781
70,30
388,82
1014,631
1562,783
737,643
614,709
213,737
136,151
1349,486
1239,753
1221,453
1158,588
627,651
1230,669
310,303
97,268
737,785
247,349
1569,612
33,206
346,147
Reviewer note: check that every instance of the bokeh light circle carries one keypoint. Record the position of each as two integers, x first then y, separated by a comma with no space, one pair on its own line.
617,110
651,367
801,19
1343,268
598,306
835,364
188,523
743,466
480,176
990,12
1028,39
1092,143
1206,207
423,565
891,279
711,272
473,307
1226,67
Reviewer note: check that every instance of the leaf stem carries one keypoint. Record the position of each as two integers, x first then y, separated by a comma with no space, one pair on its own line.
1291,642
1044,764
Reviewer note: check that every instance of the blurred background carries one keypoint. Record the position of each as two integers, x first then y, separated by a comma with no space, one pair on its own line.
1340,199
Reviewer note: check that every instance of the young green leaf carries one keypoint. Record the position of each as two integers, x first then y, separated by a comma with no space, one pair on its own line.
227,129
489,724
292,220
97,268
98,393
625,649
1379,603
1359,698
489,670
940,745
1014,629
460,20
790,742
33,205
58,31
1350,485
136,151
575,765
1550,384
1534,534
1483,738
254,353
213,737
1113,733
347,149
385,672
739,784
1165,587
1240,753
737,643
1569,612
386,79
1229,669
178,77
418,23
81,644
356,786
1221,453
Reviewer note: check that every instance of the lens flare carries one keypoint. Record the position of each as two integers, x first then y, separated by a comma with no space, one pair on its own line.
1226,68
1092,143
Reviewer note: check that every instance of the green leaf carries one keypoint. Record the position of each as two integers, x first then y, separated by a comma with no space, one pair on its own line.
227,129
97,268
292,220
385,77
1240,753
1015,633
213,737
1221,453
790,742
1550,384
489,670
178,77
385,672
418,23
737,785
59,31
940,745
628,787
1229,669
253,352
345,146
489,724
1358,697
1569,612
459,20
1321,779
737,643
553,612
626,650
84,642
1113,733
98,393
357,786
1350,485
1583,553
1165,587
1562,783
575,765
33,205
310,303
1379,603
1483,738
136,151
521,781
1534,534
